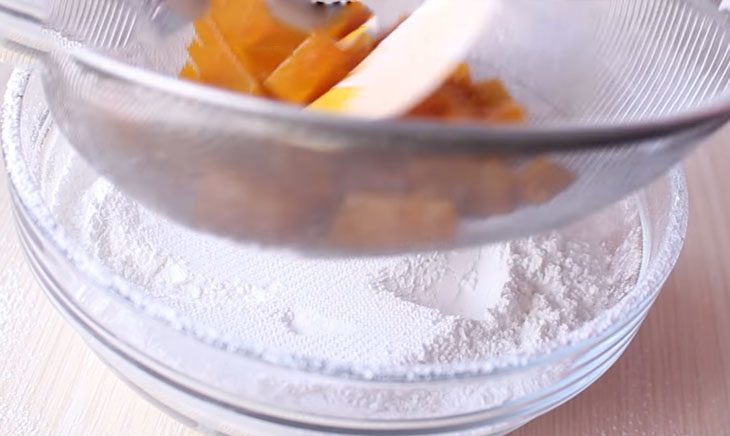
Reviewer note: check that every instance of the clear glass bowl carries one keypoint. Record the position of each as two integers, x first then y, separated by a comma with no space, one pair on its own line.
218,384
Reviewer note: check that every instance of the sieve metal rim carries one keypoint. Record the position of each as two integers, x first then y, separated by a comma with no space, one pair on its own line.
404,134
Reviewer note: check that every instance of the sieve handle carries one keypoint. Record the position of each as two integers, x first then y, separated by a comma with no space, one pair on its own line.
21,31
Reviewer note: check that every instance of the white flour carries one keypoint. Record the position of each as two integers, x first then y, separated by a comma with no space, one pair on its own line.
512,298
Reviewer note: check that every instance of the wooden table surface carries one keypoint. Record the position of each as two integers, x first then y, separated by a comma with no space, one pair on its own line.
673,380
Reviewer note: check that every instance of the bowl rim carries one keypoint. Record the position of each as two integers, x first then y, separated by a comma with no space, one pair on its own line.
645,291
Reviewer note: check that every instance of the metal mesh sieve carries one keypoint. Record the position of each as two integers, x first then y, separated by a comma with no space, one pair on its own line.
618,92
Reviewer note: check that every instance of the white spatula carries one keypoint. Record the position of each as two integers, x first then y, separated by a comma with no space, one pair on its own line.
412,62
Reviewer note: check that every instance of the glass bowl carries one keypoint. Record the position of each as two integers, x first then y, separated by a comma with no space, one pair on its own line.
222,383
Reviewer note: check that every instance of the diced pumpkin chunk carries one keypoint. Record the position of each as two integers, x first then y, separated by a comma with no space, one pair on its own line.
217,64
479,187
462,75
491,93
358,47
461,99
314,67
450,102
491,192
509,112
252,30
382,221
443,176
247,205
347,18
542,179
190,72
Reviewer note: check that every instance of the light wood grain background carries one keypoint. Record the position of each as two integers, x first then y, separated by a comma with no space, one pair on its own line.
673,380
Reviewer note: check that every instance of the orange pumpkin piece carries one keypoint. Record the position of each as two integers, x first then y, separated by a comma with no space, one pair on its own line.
493,103
442,176
314,67
542,179
491,93
450,102
382,221
358,47
190,72
461,99
217,64
462,75
347,18
508,112
492,191
447,101
480,188
255,32
247,205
